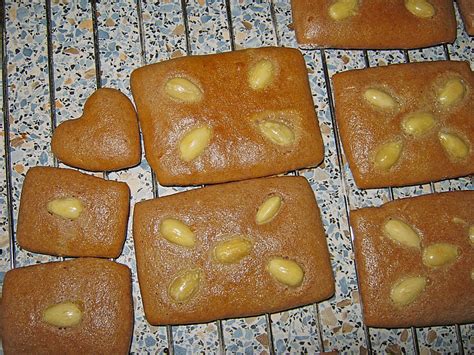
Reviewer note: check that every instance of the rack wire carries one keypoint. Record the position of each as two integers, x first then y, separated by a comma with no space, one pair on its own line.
277,22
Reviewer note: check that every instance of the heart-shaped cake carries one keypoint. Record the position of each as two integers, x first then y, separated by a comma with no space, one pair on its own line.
104,138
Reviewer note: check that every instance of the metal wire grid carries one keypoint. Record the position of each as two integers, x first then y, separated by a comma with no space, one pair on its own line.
97,60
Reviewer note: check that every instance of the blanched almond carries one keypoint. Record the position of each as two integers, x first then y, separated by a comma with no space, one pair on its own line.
379,98
402,233
194,143
185,285
286,271
233,250
407,290
68,207
277,132
343,9
418,123
63,315
454,145
268,209
388,154
177,232
261,74
183,90
452,92
420,8
439,254
458,220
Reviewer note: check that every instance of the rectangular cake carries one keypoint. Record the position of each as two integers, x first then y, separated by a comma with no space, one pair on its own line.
415,260
374,24
82,306
406,124
67,213
229,116
225,251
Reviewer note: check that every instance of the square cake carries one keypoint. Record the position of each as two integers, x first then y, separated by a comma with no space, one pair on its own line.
78,306
406,124
415,260
67,213
229,116
225,251
374,24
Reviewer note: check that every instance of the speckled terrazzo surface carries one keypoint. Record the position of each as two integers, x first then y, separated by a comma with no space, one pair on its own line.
52,56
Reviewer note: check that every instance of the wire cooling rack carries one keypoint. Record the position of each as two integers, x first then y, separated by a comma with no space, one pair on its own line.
56,53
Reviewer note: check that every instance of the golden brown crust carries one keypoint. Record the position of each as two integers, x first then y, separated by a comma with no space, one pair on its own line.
102,287
415,86
447,298
99,231
214,213
104,138
237,150
466,7
378,24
